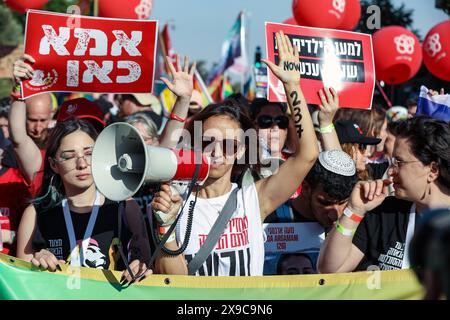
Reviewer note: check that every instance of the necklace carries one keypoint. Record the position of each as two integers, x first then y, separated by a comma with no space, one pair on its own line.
217,211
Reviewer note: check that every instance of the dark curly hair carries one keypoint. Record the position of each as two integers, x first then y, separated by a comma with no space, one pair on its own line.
429,142
336,186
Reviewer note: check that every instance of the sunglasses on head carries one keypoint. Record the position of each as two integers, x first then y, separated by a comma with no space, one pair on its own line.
228,146
266,121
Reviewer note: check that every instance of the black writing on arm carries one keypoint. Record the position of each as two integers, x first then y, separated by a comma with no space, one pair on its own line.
289,66
297,113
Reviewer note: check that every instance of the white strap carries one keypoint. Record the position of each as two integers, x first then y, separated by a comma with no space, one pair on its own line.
77,256
409,236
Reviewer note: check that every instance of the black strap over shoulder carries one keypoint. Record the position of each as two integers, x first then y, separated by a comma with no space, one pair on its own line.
216,231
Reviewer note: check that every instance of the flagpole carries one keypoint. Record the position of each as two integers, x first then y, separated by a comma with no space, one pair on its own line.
204,88
244,48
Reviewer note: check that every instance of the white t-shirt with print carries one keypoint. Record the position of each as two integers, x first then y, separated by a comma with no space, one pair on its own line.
240,249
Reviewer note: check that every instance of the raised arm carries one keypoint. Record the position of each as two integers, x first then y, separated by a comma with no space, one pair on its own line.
327,111
28,153
182,86
338,253
277,189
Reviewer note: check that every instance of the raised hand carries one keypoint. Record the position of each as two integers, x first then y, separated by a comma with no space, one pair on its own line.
329,106
182,84
368,195
288,69
22,70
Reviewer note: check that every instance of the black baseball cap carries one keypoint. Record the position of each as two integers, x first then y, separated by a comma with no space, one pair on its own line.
349,132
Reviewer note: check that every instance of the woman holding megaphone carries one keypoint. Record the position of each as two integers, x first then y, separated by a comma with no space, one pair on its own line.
240,248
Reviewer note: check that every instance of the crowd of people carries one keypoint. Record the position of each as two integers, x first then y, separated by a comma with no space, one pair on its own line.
368,178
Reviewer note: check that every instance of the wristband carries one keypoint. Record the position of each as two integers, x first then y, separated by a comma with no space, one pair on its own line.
353,216
176,117
344,231
327,129
1,240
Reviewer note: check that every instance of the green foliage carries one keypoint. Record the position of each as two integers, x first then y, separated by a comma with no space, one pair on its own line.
11,32
390,15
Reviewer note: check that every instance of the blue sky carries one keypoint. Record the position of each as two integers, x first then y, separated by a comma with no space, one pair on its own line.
200,26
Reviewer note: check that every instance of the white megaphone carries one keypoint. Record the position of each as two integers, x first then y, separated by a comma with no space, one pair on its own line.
122,162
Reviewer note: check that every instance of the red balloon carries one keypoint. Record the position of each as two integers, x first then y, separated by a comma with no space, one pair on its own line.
321,14
23,5
290,21
125,9
436,50
397,54
351,16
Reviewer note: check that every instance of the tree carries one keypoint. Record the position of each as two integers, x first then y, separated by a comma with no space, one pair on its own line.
390,15
10,30
444,5
53,5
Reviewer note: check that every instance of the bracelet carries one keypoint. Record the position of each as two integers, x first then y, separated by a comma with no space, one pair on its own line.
176,117
327,129
1,240
16,96
344,231
353,216
162,232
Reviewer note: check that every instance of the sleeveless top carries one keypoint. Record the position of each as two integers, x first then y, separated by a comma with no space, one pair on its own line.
240,249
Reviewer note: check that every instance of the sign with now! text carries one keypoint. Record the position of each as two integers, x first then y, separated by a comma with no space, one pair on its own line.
89,54
339,59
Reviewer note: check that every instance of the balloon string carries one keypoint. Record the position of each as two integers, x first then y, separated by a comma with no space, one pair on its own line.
384,94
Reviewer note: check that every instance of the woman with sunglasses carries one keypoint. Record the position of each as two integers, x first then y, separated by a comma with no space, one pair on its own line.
240,250
71,222
376,230
275,130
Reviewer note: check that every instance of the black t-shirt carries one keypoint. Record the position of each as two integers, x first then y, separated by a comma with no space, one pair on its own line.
51,234
381,235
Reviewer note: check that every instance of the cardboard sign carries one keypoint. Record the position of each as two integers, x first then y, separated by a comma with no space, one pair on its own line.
89,54
339,59
293,237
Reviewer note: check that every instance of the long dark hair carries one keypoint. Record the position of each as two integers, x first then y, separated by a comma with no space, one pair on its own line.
52,191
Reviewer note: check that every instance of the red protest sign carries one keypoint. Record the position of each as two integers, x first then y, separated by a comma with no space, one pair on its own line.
339,59
89,54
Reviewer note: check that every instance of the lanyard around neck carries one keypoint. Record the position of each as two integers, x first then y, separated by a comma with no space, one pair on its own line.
77,258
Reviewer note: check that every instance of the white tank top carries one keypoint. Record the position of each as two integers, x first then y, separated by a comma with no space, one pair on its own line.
240,249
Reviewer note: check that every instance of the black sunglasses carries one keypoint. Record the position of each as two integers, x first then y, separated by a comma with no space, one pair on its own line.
265,121
229,146
362,146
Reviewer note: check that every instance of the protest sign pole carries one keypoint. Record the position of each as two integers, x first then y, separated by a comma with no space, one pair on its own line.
96,8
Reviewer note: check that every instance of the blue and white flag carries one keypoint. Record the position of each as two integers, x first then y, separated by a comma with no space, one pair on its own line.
437,107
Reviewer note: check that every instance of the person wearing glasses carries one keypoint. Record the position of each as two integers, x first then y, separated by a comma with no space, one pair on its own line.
240,250
71,222
376,230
